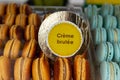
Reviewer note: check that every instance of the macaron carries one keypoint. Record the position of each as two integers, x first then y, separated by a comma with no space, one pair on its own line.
110,22
107,9
118,21
99,35
116,10
96,21
116,47
113,35
104,52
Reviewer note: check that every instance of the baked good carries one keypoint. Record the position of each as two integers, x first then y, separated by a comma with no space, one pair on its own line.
109,71
41,69
2,9
25,9
5,68
4,32
11,8
29,49
104,52
62,69
99,35
21,20
22,69
110,22
16,32
34,19
96,21
113,35
107,9
9,19
81,68
118,21
30,32
12,49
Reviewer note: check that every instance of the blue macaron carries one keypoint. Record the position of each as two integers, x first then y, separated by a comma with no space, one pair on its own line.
118,21
104,52
116,10
107,9
99,35
96,21
110,22
113,35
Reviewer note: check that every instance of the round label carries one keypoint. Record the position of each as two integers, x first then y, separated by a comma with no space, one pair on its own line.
64,39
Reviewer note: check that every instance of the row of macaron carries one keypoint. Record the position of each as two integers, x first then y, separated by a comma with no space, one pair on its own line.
102,35
104,10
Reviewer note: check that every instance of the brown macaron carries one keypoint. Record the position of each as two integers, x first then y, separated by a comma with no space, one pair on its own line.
22,69
29,49
9,19
41,69
30,32
21,20
34,19
5,68
11,8
2,9
62,69
4,31
12,49
16,32
81,68
25,9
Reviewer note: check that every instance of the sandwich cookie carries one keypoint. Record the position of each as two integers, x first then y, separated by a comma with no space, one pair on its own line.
2,9
96,21
62,69
113,35
41,69
118,21
104,52
29,49
12,49
81,68
22,69
117,10
11,8
99,35
110,22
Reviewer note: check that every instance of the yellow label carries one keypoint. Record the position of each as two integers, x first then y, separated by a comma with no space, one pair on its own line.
103,1
65,39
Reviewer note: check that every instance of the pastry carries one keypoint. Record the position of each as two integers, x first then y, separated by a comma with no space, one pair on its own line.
21,20
12,49
81,68
41,69
30,32
118,21
4,32
25,9
34,19
99,35
22,69
9,19
96,21
109,71
62,69
16,32
2,9
11,8
116,10
113,35
5,68
110,22
29,49
107,9
104,52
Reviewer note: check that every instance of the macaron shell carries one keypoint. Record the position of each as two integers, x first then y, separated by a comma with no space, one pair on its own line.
93,22
104,10
88,11
99,21
110,35
116,10
107,20
94,10
114,22
118,21
111,9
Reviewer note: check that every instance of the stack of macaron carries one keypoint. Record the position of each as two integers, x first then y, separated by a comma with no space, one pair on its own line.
105,29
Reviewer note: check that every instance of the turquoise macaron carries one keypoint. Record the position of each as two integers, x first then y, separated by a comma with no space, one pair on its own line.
116,56
110,22
99,35
107,9
113,35
116,10
109,71
104,52
118,21
96,21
